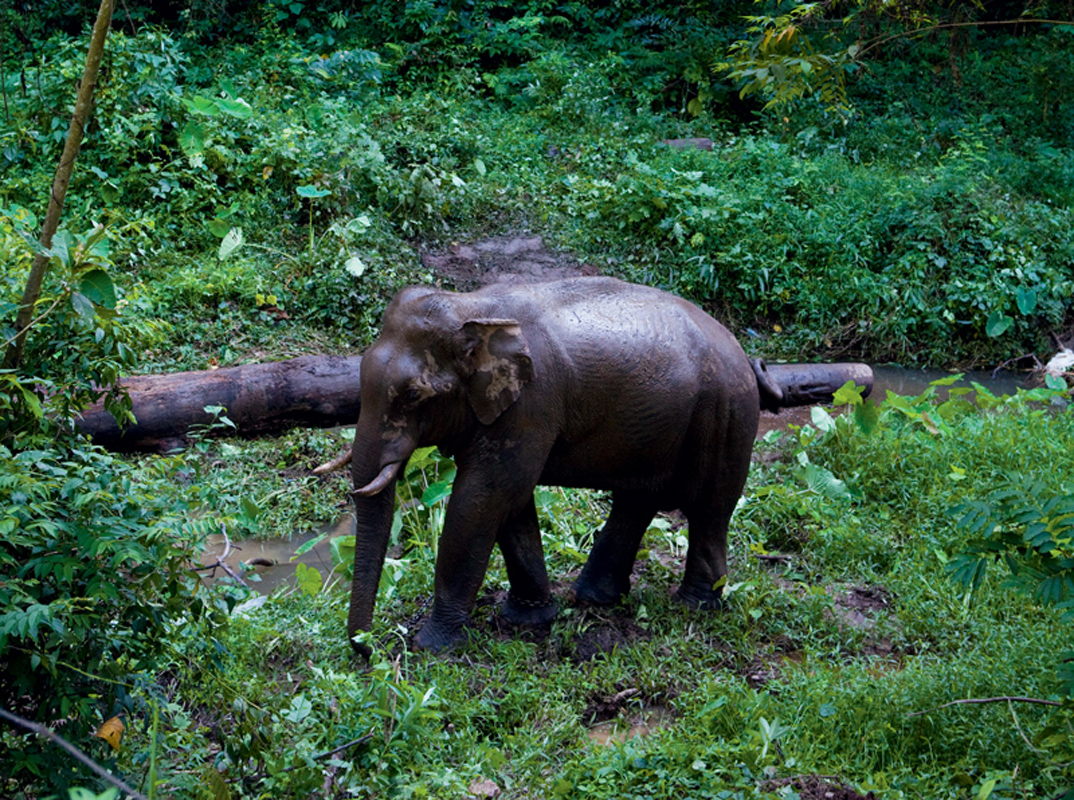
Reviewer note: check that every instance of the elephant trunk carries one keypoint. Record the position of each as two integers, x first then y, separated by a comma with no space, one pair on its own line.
374,506
374,525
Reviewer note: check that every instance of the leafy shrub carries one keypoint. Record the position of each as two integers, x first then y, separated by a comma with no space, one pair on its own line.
96,556
94,551
934,264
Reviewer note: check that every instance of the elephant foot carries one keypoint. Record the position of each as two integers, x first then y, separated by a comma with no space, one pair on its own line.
700,599
436,640
585,593
528,613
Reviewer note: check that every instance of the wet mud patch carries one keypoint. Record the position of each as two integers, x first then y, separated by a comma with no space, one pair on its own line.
502,259
591,633
856,606
861,609
616,718
768,663
817,787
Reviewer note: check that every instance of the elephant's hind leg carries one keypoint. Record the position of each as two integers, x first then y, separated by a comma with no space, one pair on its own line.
605,578
706,557
530,600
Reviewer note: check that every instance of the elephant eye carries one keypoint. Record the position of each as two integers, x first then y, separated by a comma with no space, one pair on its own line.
412,395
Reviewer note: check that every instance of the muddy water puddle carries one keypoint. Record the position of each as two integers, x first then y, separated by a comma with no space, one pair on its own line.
266,565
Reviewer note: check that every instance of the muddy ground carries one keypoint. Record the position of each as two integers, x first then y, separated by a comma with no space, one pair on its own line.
503,259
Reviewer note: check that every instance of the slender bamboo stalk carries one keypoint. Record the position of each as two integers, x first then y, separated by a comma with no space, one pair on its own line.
83,103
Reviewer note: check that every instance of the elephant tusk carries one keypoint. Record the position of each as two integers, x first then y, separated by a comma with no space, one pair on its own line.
381,482
342,460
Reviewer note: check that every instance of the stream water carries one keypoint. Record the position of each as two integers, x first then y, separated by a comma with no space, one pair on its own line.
274,563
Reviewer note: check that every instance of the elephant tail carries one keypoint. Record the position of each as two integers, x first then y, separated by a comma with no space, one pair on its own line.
789,385
771,392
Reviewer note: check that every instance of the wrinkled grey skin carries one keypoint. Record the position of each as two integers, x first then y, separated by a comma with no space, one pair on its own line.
585,382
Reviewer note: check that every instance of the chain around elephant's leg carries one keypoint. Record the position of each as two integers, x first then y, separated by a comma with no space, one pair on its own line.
530,600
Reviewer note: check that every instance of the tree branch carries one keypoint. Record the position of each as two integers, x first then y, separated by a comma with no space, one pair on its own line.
981,700
62,743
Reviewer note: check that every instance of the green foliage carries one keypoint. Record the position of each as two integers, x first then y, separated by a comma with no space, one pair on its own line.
95,555
837,254
79,341
1028,523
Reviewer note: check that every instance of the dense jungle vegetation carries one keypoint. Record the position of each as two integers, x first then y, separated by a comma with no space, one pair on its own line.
887,182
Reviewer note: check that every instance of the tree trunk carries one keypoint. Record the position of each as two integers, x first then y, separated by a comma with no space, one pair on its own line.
25,317
312,391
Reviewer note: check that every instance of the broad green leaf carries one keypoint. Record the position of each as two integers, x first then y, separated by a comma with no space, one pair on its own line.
1027,301
250,509
822,419
312,191
192,138
848,394
1055,382
342,548
32,401
218,227
234,108
997,324
438,491
867,416
63,242
479,165
985,398
305,547
355,266
205,106
300,708
420,459
950,380
986,789
823,482
82,305
98,287
308,580
232,242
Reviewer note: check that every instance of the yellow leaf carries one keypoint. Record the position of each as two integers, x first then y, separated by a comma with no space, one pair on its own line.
111,731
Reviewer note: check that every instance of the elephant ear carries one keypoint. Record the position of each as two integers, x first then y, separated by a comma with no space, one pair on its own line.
497,363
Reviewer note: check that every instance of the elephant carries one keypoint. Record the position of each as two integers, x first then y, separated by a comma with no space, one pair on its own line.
586,382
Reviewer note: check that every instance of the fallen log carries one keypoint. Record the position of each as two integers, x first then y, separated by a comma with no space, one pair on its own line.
311,391
809,384
324,391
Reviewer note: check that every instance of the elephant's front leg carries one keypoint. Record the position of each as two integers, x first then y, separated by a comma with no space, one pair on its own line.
480,504
530,600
